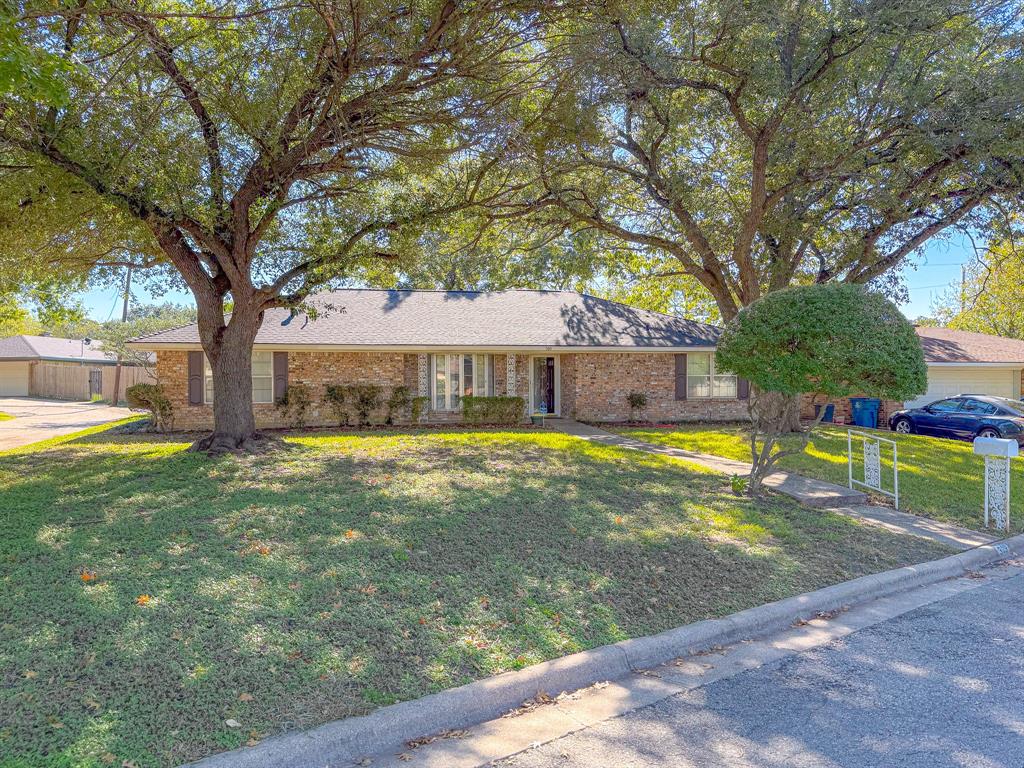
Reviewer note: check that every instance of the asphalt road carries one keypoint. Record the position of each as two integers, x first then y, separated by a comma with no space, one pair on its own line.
942,685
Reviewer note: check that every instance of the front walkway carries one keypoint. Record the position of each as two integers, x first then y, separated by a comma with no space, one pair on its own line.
807,491
37,419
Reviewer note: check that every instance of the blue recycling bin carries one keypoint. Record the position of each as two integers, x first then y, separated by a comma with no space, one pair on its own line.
830,413
865,411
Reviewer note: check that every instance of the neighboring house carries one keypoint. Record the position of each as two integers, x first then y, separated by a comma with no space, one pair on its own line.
19,355
959,362
562,352
50,366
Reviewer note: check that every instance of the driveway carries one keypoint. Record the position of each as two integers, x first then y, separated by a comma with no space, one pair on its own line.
37,419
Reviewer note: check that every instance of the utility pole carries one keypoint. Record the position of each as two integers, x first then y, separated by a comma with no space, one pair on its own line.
124,319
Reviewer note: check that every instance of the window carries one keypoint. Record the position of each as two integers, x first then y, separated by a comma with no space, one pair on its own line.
977,406
262,378
945,406
458,376
703,380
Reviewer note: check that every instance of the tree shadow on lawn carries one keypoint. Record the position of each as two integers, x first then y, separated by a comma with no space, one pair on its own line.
353,571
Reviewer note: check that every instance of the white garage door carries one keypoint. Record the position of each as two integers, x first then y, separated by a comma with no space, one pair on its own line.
14,379
948,382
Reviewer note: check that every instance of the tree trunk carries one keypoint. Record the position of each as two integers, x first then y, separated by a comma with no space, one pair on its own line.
791,422
229,350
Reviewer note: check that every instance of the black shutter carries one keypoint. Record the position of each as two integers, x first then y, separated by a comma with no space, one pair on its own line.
680,377
280,375
743,389
195,378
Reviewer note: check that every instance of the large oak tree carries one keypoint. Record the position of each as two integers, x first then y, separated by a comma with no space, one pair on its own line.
754,144
255,151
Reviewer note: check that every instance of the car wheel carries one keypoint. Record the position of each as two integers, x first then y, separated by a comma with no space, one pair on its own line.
903,426
989,432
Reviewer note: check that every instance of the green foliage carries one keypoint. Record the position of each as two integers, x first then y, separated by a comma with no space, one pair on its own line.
738,484
418,407
637,402
364,398
501,409
142,321
835,338
151,397
336,396
398,401
991,298
294,404
28,68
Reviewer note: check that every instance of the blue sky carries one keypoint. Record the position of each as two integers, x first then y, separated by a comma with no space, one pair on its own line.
937,270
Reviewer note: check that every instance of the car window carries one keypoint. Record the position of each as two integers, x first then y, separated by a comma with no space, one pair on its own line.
1010,407
945,406
979,407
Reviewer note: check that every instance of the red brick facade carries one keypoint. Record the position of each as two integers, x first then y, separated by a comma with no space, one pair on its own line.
593,386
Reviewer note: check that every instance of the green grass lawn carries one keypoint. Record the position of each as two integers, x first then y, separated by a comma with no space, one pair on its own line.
149,595
939,478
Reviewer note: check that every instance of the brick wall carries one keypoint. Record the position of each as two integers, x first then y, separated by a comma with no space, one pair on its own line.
315,370
843,409
595,386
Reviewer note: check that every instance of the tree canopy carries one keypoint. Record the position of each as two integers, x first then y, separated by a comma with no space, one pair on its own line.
751,145
990,298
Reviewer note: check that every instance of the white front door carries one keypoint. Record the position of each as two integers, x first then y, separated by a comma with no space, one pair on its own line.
545,385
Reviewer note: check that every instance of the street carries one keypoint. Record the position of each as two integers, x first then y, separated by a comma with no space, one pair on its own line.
941,685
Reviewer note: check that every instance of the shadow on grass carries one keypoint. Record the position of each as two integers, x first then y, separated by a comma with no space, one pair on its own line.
351,571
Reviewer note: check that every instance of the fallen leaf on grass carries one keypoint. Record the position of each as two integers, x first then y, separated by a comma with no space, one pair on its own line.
350,534
245,697
618,519
107,758
143,600
87,576
232,723
30,674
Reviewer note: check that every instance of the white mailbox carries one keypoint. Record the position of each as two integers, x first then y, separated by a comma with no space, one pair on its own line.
997,453
996,446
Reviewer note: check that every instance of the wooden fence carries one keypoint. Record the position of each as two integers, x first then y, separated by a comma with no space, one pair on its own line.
78,382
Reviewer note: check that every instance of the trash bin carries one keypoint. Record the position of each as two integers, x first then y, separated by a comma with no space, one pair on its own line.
865,411
830,413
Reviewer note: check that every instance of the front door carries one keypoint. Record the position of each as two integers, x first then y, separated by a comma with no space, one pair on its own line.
544,392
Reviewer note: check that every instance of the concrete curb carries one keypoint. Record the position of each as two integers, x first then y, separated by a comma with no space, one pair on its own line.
345,742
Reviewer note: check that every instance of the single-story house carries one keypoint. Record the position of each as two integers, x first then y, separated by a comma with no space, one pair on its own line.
564,353
959,362
19,355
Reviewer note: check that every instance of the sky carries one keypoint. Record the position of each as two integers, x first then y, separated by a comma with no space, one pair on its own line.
938,269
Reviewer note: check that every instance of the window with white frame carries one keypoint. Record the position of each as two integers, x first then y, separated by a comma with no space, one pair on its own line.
262,378
703,380
455,376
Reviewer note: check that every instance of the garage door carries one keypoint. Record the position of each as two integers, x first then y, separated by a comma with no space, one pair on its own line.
14,379
947,382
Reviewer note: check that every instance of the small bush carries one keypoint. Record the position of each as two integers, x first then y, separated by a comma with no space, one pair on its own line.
294,404
398,401
417,408
364,399
151,397
493,410
335,395
637,402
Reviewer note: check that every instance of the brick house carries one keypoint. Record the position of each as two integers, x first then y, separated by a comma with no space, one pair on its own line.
564,353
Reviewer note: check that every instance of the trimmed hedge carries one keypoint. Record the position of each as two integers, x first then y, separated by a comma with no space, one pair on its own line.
151,397
493,410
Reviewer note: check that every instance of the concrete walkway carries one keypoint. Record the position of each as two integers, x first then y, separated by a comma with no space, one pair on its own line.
807,491
36,419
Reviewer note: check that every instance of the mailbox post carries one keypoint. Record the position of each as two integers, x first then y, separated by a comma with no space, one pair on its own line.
997,453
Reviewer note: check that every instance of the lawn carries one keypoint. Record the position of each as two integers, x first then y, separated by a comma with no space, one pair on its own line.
148,596
939,478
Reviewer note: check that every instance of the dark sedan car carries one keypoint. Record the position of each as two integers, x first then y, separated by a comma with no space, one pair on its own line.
964,418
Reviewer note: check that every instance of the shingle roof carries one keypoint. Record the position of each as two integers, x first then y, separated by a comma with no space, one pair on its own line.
51,348
412,319
944,345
